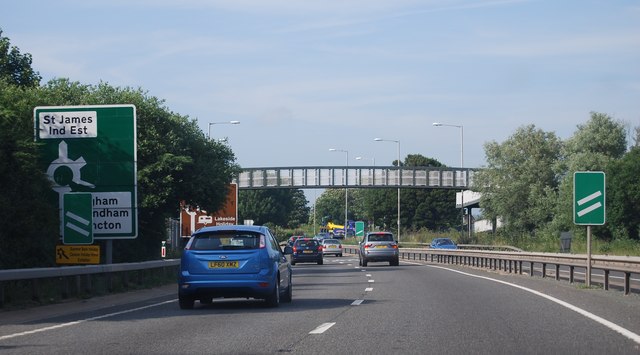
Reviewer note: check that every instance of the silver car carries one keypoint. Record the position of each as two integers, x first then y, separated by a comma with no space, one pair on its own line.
379,246
331,247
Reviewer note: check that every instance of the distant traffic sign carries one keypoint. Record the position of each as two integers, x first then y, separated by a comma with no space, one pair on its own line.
589,197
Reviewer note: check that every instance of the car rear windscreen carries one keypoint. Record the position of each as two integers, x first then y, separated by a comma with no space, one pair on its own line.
226,241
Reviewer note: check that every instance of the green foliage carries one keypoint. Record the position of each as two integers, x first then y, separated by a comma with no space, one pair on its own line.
623,196
520,185
279,207
15,68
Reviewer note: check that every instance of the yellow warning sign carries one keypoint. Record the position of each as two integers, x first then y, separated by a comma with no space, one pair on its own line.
78,254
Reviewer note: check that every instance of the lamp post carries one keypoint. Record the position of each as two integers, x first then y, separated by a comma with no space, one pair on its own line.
346,189
224,122
372,160
398,142
438,124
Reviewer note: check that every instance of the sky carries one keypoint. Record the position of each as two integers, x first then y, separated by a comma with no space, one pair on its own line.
303,77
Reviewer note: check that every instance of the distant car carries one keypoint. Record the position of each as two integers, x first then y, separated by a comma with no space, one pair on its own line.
306,250
331,247
293,239
443,243
378,246
233,261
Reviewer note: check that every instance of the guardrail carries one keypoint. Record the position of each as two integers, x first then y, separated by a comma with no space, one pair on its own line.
69,281
516,262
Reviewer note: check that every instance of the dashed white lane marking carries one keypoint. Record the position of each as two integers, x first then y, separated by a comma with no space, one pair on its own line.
625,332
368,289
62,325
357,302
368,275
371,280
322,328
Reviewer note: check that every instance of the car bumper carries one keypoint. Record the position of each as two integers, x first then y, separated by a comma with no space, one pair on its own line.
203,286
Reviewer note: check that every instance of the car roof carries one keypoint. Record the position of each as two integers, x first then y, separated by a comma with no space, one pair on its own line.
240,227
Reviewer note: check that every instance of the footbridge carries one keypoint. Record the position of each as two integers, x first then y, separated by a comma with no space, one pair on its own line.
312,177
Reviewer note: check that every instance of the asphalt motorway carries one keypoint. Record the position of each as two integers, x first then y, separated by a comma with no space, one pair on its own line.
341,308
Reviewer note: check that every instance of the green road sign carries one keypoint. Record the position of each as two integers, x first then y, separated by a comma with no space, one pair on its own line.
359,229
589,196
92,149
77,218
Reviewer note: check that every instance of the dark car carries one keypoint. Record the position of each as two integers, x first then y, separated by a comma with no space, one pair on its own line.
234,261
379,246
443,243
293,239
306,250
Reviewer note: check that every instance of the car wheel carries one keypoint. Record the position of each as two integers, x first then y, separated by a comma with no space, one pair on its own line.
320,262
206,301
273,300
185,302
293,262
288,295
340,255
364,262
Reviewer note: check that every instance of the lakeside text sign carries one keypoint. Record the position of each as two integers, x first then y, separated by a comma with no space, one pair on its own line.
92,149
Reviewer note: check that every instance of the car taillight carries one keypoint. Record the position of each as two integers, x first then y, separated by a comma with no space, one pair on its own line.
339,245
366,246
295,249
394,246
320,248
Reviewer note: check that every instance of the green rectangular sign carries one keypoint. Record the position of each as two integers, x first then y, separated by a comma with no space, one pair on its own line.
92,149
359,229
77,218
589,196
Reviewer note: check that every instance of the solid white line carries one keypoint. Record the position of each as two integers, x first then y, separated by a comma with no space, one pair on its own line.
62,325
625,332
322,328
77,229
584,200
357,302
589,209
77,218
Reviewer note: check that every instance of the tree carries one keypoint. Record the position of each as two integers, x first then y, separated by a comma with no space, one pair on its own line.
623,194
280,207
330,205
433,209
520,184
593,147
15,67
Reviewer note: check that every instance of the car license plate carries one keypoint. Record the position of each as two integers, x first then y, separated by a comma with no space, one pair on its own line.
380,246
223,264
332,246
307,251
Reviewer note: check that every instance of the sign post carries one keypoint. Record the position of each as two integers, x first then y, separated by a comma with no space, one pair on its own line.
589,205
91,150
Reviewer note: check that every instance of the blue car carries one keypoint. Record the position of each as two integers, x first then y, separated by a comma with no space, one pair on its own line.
443,243
234,261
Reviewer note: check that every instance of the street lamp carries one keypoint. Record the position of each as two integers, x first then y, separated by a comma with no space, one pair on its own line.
372,159
438,124
398,142
224,122
346,189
